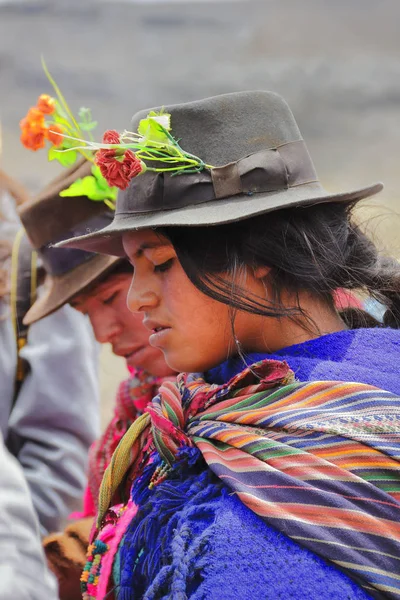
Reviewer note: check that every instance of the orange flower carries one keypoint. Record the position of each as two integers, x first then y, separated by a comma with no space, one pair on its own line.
33,129
33,140
46,104
34,119
53,136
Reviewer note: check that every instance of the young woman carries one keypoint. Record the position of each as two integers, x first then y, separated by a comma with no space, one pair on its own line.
271,469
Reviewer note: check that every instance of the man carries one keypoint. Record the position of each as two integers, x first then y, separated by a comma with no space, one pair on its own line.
23,573
47,372
96,286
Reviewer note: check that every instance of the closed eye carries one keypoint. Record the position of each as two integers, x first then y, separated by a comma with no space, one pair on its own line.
110,299
164,266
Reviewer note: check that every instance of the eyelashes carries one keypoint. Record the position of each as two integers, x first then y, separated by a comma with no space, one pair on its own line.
164,266
111,298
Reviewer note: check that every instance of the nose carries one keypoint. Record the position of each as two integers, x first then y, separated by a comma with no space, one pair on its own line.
141,296
105,328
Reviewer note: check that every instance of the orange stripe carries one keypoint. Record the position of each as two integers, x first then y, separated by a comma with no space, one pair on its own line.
355,449
323,389
325,516
373,462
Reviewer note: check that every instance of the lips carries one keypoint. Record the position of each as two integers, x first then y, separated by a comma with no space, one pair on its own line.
157,339
154,326
158,332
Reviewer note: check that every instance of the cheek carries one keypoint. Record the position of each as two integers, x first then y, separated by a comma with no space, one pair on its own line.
191,308
202,334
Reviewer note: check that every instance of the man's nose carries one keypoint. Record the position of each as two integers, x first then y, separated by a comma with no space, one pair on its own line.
105,328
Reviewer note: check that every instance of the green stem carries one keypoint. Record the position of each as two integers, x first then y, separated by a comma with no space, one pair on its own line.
110,204
60,96
154,170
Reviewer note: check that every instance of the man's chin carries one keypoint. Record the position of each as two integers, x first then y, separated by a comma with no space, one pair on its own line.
133,364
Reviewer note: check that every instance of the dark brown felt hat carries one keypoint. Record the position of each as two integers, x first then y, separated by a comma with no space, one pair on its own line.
50,218
261,165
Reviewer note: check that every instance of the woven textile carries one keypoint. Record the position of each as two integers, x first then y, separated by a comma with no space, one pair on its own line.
132,398
319,461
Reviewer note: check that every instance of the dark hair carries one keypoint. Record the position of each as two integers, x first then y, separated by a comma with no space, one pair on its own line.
121,267
317,249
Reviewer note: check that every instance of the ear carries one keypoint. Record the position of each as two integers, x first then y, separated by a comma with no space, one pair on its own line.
261,272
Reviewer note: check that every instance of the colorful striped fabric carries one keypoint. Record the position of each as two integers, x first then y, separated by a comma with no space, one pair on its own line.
319,461
133,396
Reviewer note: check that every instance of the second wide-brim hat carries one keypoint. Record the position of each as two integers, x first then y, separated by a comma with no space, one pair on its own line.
49,218
260,163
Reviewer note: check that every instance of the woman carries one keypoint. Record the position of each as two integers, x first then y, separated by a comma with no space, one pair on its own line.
269,475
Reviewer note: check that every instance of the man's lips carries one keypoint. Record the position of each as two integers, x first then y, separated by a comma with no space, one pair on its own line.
128,354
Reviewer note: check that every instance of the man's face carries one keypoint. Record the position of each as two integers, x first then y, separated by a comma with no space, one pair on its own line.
114,323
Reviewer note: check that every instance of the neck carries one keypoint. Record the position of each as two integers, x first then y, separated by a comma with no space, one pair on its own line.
320,319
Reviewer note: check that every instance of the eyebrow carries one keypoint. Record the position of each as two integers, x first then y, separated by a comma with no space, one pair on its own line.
148,246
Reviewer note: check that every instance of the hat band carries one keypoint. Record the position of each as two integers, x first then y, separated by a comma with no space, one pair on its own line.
267,170
58,261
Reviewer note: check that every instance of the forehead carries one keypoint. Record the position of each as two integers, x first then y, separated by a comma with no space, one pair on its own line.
135,242
101,287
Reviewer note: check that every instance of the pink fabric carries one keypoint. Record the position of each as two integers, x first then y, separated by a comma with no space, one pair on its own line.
112,535
345,299
89,507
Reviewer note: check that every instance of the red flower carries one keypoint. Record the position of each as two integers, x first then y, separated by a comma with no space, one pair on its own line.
111,137
132,164
118,171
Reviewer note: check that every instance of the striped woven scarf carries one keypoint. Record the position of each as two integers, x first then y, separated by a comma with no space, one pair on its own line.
133,396
319,461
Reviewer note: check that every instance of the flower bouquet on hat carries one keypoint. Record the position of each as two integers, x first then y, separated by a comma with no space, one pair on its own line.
52,123
123,156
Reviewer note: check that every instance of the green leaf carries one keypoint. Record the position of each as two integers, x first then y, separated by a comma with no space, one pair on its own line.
66,159
68,143
85,114
57,118
152,130
89,186
162,118
88,126
60,112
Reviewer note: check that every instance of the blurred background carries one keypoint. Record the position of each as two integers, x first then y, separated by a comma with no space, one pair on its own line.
335,61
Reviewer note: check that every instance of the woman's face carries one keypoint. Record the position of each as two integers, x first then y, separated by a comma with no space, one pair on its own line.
193,330
115,324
